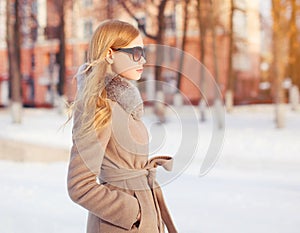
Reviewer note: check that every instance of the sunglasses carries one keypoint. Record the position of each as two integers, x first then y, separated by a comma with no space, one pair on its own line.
136,52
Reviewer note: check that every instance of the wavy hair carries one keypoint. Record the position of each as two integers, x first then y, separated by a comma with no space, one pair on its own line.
91,101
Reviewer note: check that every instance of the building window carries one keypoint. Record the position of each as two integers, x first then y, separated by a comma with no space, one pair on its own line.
170,22
88,28
137,2
240,27
240,4
87,3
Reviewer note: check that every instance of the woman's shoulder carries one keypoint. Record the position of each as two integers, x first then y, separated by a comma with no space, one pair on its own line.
111,102
115,106
118,111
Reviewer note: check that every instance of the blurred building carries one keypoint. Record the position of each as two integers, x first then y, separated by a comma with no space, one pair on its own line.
40,43
246,60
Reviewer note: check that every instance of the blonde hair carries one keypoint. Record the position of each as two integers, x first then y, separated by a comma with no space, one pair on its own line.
91,101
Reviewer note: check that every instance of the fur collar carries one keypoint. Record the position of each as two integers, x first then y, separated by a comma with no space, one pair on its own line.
120,90
126,94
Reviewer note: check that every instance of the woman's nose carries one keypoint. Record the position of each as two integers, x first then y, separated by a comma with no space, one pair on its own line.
142,60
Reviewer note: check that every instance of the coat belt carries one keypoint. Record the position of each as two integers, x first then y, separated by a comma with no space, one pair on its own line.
142,179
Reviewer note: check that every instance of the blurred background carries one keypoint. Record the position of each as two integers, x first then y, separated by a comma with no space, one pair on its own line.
251,48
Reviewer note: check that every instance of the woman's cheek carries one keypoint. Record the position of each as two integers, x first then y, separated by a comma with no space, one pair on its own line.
123,63
131,74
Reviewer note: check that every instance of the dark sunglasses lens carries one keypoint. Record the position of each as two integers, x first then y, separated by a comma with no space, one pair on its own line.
137,53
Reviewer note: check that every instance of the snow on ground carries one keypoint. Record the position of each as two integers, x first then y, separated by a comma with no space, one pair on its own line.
39,126
254,186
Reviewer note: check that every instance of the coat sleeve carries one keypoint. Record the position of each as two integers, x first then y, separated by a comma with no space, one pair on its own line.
113,206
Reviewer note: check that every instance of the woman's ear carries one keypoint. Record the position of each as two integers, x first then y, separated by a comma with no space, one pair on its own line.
109,57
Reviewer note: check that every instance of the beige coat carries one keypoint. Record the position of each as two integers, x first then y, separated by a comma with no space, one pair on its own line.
124,187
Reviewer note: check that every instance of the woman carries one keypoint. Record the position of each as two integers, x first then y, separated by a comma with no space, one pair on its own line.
109,172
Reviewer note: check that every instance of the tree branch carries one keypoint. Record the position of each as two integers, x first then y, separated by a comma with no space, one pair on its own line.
141,24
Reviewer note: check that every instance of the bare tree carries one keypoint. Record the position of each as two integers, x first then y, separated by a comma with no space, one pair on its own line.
294,55
217,100
230,90
178,98
14,58
293,45
231,73
279,9
109,9
61,6
202,18
183,42
159,38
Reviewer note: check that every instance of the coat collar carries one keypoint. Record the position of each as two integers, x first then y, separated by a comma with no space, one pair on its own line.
119,90
123,92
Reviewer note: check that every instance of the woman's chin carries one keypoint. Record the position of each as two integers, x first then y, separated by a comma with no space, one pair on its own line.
133,77
138,77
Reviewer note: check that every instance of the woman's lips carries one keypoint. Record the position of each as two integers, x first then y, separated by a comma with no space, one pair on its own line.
140,70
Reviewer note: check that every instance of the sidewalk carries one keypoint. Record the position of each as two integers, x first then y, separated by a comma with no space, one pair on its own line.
251,139
41,137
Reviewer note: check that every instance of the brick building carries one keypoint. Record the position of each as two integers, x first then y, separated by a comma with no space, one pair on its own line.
40,44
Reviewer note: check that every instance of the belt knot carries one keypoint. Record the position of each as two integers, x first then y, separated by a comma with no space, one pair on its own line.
165,161
151,176
135,179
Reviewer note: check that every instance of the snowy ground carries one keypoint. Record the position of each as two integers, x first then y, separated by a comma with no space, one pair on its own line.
253,188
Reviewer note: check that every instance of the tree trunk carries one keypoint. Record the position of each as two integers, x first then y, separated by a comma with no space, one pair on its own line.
293,66
293,69
294,97
278,63
160,39
14,59
183,43
231,75
202,29
110,9
159,107
60,102
62,50
217,101
178,101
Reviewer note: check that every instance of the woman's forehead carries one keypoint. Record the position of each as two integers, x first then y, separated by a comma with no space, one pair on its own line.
138,41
